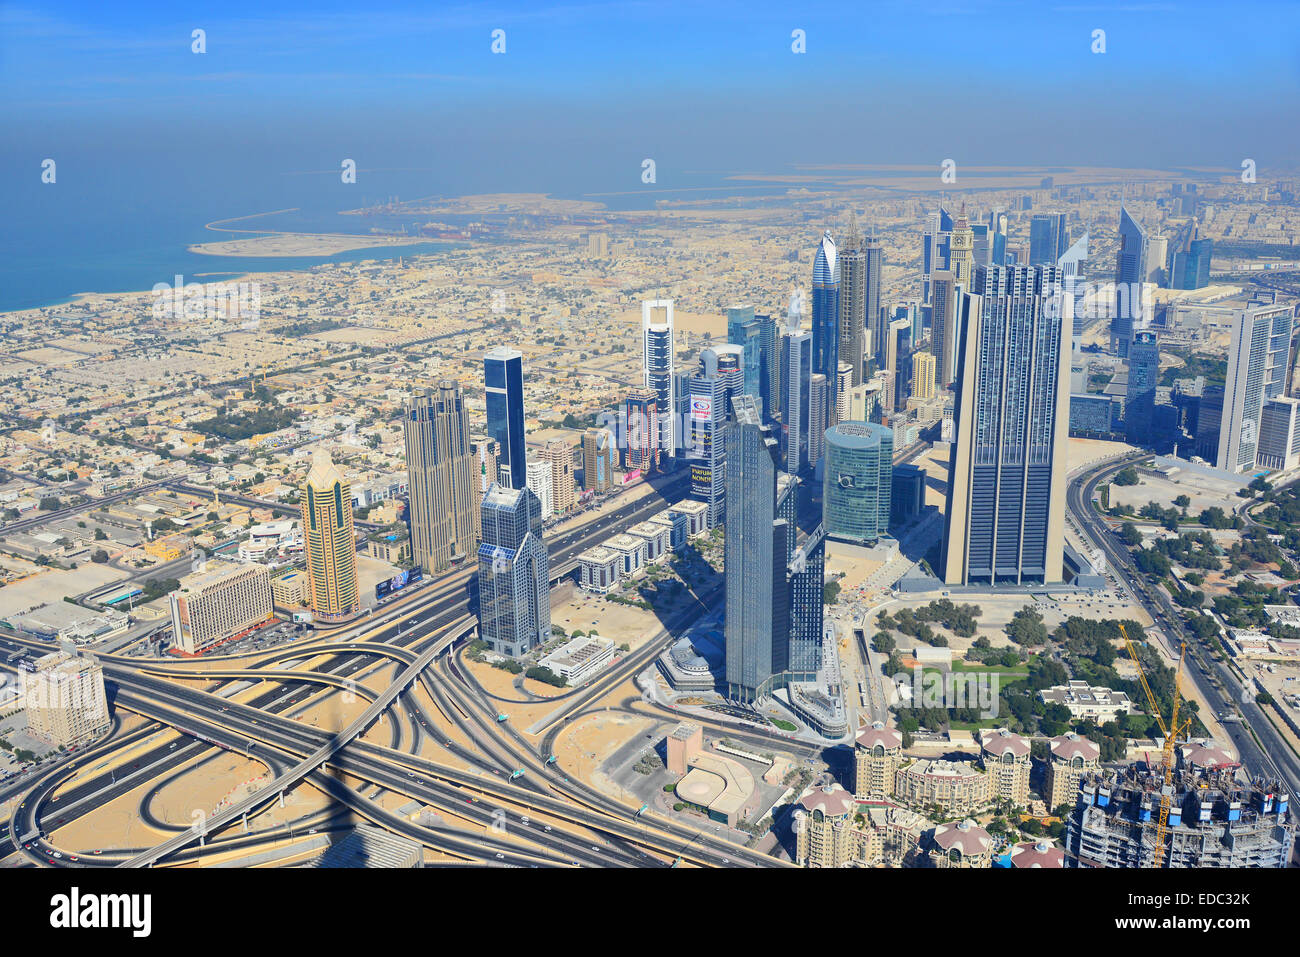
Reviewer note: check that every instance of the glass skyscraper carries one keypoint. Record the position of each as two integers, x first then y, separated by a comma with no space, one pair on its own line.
1006,486
856,482
1130,274
826,308
514,592
1140,396
503,377
796,398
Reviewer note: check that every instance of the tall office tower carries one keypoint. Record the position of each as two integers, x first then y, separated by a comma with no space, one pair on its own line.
898,363
819,402
857,482
796,397
503,377
1048,238
1257,367
923,376
541,482
1140,397
874,253
1279,434
826,307
221,602
982,246
1191,269
514,572
64,698
1130,274
769,373
843,384
945,308
756,553
484,450
853,316
720,376
936,252
1072,267
558,454
329,543
441,476
998,222
641,426
1006,485
962,256
657,371
743,331
597,460
1157,257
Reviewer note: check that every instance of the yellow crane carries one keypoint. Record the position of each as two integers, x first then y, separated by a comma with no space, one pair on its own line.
1172,731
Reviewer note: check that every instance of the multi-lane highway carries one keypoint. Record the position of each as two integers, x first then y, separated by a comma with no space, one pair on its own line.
1261,747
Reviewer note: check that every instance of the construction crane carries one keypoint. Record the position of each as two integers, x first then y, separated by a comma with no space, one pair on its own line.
1172,731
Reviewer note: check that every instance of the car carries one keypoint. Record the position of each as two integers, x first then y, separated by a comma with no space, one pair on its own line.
524,820
57,854
548,827
72,857
500,856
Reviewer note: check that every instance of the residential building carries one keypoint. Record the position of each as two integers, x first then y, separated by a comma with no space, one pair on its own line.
64,698
221,602
441,468
329,543
657,368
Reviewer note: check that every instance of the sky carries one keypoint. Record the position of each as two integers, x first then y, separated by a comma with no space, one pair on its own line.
599,87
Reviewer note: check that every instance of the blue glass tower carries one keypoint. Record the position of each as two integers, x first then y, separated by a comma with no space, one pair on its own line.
826,309
503,376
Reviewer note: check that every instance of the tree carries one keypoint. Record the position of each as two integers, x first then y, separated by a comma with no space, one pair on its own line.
49,503
831,593
99,535
1128,476
1026,627
883,642
1129,534
99,556
1183,501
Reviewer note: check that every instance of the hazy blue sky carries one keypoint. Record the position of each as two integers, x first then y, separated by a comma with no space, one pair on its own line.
694,85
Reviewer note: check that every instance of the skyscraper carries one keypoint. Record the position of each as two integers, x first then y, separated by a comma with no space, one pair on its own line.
1073,265
962,255
1140,396
1257,367
774,596
657,358
945,307
819,391
641,427
796,397
440,467
1130,274
1192,268
874,260
541,482
558,454
769,338
329,542
898,363
856,483
503,378
935,255
923,376
743,331
597,460
1048,238
853,317
513,573
719,378
757,550
1006,487
825,308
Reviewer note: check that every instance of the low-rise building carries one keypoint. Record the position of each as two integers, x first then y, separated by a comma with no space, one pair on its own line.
579,658
955,787
1084,701
598,569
